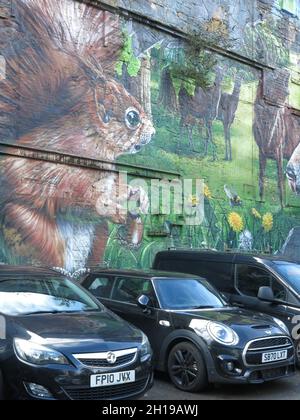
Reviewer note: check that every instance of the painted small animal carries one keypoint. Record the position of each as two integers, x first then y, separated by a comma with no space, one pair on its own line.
60,94
235,200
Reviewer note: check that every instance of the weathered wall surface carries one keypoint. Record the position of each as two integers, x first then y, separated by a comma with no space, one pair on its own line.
89,87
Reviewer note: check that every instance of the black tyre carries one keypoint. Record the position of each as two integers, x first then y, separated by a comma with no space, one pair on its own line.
1,387
298,354
186,368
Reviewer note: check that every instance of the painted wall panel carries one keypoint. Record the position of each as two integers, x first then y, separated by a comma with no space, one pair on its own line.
85,82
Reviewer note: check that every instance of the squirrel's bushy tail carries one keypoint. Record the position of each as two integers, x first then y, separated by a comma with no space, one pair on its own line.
53,38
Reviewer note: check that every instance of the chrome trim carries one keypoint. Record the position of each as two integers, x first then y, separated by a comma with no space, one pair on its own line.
265,349
104,355
284,346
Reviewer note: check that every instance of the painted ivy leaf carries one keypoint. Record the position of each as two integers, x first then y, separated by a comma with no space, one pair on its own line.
134,67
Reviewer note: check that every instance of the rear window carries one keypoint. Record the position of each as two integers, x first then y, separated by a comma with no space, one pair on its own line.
218,274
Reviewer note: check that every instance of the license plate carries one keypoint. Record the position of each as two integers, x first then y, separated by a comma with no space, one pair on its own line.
111,379
274,356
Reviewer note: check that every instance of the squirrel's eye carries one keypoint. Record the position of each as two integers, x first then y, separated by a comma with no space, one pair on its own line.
132,119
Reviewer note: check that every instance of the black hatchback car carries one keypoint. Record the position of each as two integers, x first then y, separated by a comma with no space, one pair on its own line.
58,342
195,336
266,284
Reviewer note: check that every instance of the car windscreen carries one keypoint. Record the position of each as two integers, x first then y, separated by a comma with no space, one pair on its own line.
184,294
290,272
25,295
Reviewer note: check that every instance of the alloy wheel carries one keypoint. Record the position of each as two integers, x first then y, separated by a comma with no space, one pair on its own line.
184,368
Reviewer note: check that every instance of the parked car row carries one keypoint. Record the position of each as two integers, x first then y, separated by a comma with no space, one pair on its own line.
215,318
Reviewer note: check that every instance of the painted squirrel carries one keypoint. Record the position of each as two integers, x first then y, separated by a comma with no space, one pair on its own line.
60,95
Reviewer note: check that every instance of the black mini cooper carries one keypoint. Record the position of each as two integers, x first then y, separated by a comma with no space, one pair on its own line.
196,337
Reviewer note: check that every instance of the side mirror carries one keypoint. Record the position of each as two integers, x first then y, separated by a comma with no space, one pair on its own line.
144,302
266,294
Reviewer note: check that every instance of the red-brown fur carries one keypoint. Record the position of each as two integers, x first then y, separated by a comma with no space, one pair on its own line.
57,96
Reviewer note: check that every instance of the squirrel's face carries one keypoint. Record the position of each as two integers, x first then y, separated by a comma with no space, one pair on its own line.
122,124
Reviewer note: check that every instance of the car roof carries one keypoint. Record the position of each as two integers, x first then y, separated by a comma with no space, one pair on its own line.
140,273
228,257
21,270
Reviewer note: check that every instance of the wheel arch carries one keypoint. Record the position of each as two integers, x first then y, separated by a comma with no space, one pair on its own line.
179,336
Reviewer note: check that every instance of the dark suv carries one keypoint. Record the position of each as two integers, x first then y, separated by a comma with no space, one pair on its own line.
195,336
265,284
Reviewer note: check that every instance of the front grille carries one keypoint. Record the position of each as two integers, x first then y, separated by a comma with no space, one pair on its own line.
102,360
270,343
108,392
270,374
274,373
254,351
255,358
122,360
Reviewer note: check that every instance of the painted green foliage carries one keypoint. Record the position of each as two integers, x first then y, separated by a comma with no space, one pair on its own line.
237,213
209,115
127,57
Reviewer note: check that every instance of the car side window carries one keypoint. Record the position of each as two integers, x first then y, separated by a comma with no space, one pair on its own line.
250,279
219,274
101,287
130,289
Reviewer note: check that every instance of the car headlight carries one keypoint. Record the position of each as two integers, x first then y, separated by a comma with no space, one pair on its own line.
146,350
37,354
282,325
222,334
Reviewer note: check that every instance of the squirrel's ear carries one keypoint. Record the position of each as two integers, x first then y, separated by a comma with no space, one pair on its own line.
102,112
93,70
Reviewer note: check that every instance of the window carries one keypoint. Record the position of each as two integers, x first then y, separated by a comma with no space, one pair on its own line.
290,272
250,279
130,289
185,294
25,295
101,287
218,274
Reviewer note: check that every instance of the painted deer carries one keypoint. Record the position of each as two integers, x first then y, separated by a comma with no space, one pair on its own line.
272,126
201,110
227,111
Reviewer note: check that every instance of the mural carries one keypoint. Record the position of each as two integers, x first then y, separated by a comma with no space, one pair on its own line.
83,82
59,94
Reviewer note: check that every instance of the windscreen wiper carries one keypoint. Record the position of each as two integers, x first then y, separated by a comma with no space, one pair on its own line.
203,307
51,312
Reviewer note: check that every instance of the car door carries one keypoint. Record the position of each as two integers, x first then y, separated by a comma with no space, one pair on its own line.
123,302
248,280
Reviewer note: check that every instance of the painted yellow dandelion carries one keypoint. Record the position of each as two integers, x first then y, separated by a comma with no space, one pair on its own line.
236,222
256,214
207,192
268,222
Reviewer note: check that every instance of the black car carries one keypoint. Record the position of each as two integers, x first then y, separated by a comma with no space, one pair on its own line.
195,336
266,284
58,342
